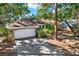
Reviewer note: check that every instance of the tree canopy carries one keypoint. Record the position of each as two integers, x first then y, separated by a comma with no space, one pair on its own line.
65,11
12,11
45,11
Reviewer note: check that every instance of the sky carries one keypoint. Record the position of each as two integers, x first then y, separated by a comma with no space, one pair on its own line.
32,8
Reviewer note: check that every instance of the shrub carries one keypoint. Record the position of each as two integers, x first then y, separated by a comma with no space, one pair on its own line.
41,34
45,31
5,34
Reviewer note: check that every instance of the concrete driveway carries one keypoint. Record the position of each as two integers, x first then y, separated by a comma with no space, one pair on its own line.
35,46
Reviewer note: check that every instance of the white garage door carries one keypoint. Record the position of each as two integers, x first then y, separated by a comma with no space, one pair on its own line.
23,33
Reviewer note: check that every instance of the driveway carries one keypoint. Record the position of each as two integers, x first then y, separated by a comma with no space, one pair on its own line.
35,46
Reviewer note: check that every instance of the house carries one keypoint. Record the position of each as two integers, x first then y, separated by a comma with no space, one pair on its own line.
24,28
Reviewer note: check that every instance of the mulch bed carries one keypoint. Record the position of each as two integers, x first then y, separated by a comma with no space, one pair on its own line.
69,46
6,47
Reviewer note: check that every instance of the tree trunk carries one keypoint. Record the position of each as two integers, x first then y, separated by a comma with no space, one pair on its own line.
56,21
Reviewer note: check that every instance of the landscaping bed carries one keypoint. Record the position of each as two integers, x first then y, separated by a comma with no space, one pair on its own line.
6,46
68,46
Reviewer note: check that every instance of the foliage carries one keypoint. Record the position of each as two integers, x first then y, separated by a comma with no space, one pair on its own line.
4,32
44,11
65,11
45,31
41,33
10,12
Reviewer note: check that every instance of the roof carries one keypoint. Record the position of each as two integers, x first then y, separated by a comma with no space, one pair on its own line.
23,23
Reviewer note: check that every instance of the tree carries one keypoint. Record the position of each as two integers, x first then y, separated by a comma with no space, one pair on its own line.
65,12
68,11
45,11
9,12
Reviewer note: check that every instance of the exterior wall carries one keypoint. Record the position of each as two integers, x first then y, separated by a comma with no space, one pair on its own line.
24,33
